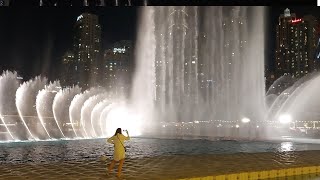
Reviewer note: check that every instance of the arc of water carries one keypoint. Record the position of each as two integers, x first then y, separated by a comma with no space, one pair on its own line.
71,111
94,101
84,109
309,83
83,124
102,116
8,82
24,123
93,129
55,118
3,122
96,113
19,94
55,115
292,90
41,94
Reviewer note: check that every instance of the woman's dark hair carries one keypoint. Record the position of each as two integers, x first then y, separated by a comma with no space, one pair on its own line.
118,131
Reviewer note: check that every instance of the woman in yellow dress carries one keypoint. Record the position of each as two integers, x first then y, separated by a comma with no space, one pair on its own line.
119,150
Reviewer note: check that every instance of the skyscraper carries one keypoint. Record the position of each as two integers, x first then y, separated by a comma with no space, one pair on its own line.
87,44
68,70
296,45
116,68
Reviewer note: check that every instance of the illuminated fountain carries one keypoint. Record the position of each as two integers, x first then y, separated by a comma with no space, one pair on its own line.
200,72
38,110
200,68
298,105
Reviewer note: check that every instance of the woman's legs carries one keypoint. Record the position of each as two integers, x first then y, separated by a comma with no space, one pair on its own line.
120,167
111,166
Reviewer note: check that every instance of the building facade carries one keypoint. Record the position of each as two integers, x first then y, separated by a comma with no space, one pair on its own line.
296,45
116,67
68,69
87,44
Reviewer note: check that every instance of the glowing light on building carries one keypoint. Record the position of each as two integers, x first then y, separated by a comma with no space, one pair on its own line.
119,50
79,17
296,20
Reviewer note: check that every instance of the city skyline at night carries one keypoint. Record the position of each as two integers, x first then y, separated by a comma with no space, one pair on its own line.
52,36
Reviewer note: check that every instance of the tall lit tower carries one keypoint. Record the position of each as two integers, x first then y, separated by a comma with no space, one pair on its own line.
87,44
296,42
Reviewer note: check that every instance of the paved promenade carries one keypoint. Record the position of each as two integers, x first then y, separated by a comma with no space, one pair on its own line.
176,167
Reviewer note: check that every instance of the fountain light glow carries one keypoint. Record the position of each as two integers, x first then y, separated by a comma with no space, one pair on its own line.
245,120
285,118
122,117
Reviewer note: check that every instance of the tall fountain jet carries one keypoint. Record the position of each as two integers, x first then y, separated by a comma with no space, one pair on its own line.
26,105
8,86
206,63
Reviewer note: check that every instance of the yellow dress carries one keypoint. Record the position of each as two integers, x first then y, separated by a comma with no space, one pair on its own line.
119,152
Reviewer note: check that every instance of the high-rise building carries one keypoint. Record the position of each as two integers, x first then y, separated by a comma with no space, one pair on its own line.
117,67
296,45
68,69
87,44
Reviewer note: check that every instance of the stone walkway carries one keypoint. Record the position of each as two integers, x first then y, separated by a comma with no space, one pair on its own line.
164,167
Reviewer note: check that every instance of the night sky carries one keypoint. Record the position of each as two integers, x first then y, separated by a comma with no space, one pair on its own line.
33,40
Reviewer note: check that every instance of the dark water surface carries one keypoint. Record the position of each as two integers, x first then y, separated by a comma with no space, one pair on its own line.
92,149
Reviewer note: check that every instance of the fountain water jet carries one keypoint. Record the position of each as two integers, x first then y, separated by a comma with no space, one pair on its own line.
104,115
44,103
95,114
75,111
225,82
26,101
8,86
61,102
86,110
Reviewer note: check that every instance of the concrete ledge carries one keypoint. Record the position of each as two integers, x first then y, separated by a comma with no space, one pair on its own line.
313,171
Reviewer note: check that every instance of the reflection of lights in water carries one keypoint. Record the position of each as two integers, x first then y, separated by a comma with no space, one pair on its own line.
122,117
286,146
